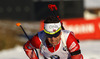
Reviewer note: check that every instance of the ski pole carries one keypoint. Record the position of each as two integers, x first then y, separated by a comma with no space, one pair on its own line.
19,25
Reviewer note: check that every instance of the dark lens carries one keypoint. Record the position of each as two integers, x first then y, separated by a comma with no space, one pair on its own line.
54,35
49,36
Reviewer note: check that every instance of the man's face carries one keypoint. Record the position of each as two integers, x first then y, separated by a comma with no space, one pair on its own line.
54,40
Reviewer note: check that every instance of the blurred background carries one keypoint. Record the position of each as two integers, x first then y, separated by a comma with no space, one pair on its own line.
80,16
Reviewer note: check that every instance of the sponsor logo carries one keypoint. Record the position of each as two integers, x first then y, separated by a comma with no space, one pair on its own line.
99,25
54,57
72,46
65,48
82,28
74,49
54,30
53,26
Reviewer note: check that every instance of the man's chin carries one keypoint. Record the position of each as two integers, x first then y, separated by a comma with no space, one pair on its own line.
54,44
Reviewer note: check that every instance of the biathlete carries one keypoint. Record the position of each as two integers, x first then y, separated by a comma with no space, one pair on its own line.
53,42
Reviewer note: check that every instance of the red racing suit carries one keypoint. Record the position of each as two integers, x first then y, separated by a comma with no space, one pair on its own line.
72,50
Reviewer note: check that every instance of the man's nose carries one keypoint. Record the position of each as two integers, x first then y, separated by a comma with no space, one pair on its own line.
53,38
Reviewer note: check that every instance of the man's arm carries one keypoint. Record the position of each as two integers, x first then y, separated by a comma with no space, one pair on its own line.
29,50
30,45
73,47
78,56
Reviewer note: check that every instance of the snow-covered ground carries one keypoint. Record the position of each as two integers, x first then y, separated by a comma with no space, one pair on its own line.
90,50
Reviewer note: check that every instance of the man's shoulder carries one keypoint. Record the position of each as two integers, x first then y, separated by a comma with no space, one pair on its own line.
65,35
66,31
42,35
39,35
36,40
41,32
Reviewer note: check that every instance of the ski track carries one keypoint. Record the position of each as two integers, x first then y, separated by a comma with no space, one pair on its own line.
90,50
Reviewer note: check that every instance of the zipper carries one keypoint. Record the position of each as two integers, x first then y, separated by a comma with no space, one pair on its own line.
54,49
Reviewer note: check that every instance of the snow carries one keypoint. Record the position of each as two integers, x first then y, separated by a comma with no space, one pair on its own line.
15,53
90,50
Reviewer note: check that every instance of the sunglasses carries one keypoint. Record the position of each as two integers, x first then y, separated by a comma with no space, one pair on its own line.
54,35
